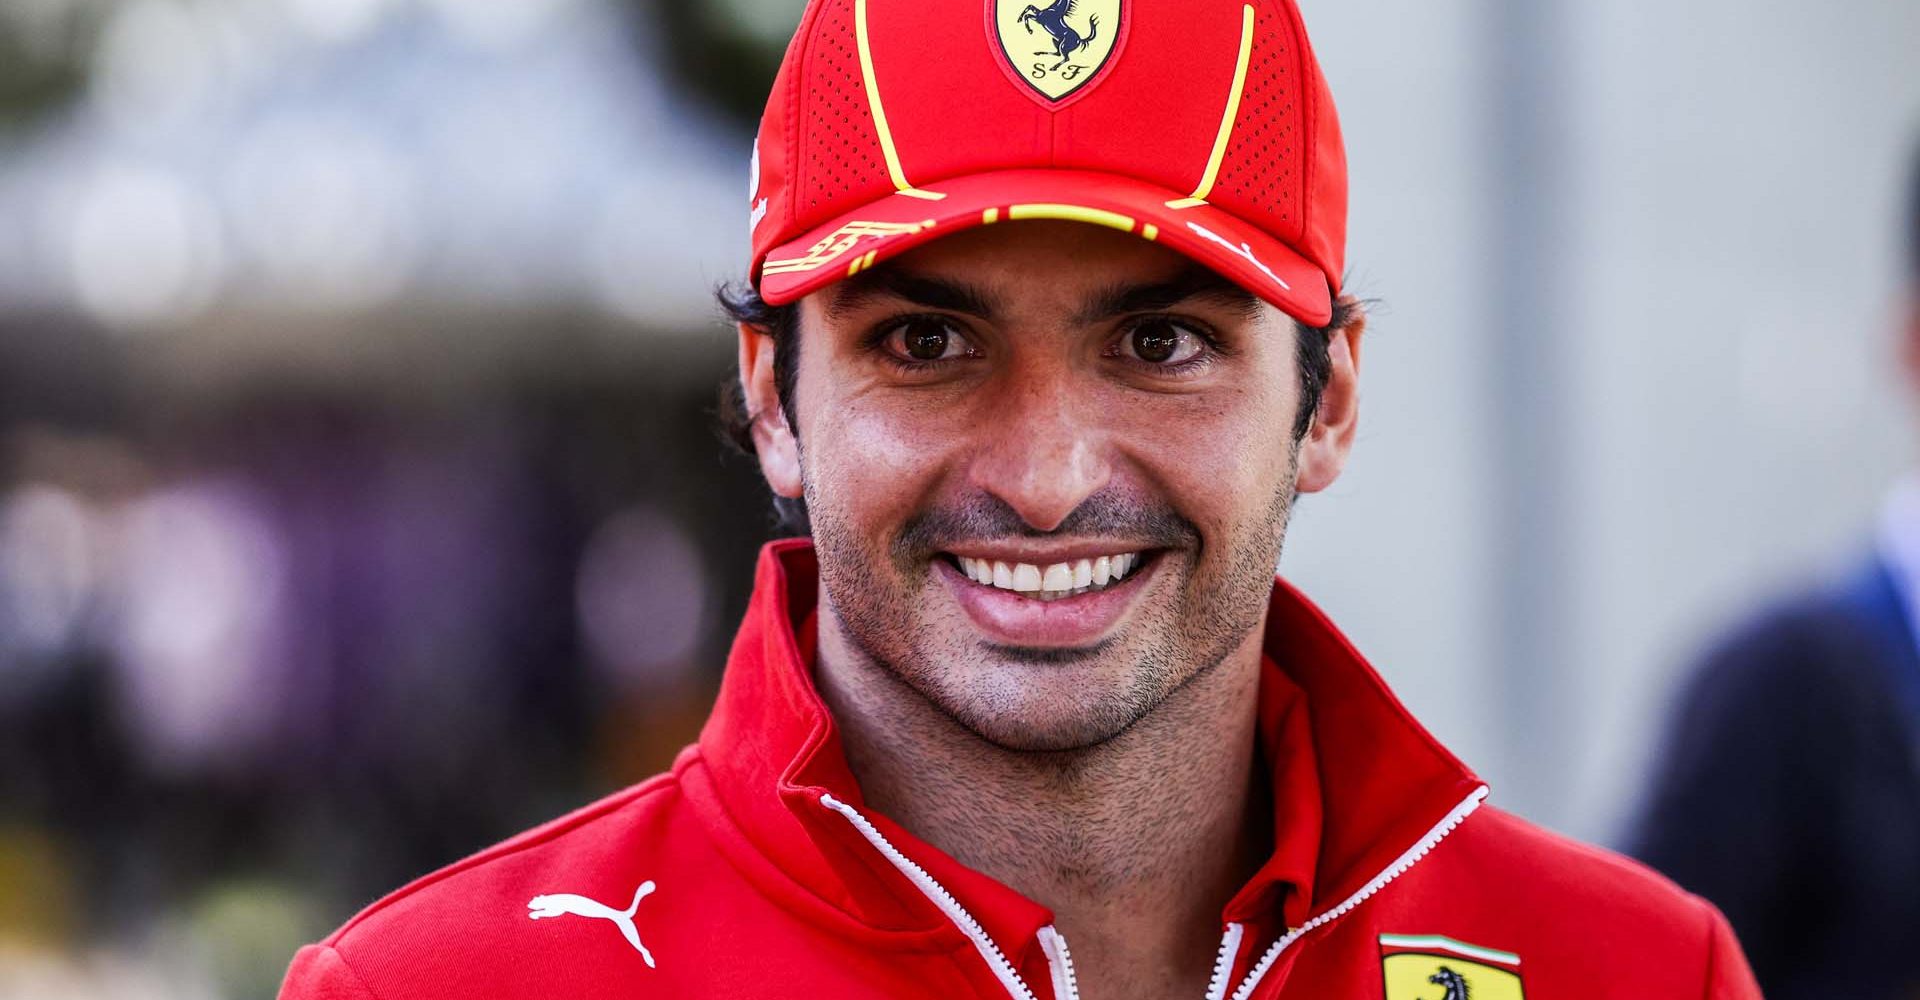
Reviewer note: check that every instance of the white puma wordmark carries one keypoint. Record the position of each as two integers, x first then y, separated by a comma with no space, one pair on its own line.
565,903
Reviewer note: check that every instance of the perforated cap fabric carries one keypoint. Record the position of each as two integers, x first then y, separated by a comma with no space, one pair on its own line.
1202,124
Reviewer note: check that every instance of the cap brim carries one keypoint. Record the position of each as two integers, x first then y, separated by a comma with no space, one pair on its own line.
880,230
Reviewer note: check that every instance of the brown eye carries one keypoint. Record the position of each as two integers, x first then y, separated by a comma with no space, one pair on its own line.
928,338
1163,342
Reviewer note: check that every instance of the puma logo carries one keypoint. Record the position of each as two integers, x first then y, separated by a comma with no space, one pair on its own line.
1243,250
753,195
566,903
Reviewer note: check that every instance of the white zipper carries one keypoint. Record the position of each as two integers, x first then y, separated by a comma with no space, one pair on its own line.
1054,944
1059,963
1398,868
1223,962
1008,975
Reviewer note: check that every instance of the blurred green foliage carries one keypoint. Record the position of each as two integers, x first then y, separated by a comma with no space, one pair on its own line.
34,79
249,927
46,47
725,50
36,890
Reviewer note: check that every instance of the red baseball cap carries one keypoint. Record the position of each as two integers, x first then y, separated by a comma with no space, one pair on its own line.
1202,124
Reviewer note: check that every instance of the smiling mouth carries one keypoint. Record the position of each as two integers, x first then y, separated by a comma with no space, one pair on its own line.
1052,582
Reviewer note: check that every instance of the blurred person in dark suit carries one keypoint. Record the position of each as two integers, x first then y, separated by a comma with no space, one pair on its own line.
1789,790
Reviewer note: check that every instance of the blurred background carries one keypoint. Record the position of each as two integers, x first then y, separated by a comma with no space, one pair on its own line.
360,505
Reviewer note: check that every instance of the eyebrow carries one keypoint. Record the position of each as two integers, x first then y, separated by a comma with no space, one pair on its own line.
921,290
1193,282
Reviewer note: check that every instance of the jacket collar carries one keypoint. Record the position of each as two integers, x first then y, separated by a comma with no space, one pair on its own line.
1355,780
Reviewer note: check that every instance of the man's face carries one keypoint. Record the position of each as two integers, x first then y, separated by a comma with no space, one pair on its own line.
1019,400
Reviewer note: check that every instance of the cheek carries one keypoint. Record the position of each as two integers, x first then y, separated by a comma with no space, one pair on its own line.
874,460
1219,457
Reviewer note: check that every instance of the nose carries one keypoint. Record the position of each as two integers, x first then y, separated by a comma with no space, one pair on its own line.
1042,450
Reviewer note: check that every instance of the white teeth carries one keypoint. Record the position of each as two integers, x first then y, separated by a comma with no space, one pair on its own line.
1057,580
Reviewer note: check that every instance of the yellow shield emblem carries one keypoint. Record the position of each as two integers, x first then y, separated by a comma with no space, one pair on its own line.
1430,967
1057,46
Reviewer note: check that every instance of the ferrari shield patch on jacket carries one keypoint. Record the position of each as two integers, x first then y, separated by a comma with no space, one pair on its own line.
1058,47
1431,967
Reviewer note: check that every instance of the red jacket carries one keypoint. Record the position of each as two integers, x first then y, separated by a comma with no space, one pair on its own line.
754,869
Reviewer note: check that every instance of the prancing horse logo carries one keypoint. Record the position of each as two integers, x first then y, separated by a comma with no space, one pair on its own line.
1066,41
1078,36
1454,983
567,904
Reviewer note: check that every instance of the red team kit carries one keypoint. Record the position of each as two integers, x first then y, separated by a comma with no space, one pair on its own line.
755,869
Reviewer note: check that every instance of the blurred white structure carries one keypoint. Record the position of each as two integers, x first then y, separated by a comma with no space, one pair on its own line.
338,157
1638,260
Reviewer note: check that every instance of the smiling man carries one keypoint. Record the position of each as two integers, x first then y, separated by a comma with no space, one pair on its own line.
1043,339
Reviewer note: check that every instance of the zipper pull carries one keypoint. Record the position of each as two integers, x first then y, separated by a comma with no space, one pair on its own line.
1059,964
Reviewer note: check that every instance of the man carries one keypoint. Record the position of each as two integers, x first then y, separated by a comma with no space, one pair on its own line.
1790,791
1045,339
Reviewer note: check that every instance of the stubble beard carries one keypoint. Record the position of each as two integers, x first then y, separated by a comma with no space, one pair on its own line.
1218,601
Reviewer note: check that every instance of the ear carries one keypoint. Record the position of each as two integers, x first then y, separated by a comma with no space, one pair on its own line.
773,441
1323,452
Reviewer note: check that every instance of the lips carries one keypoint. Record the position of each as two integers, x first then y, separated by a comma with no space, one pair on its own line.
1067,614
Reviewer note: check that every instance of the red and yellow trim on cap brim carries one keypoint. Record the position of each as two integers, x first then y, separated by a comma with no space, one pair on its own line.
881,230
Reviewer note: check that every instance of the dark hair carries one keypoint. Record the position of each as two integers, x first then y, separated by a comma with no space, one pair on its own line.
743,304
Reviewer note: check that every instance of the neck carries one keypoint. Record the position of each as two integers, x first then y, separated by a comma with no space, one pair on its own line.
1135,844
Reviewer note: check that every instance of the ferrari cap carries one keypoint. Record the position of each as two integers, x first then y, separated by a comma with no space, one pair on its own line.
1202,124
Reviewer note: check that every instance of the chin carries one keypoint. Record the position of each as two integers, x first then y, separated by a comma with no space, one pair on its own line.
1046,724
1043,737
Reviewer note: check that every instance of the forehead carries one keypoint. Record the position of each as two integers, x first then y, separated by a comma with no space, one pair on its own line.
1039,266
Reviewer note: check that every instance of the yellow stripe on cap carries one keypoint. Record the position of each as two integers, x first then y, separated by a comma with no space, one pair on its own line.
894,171
1073,213
1212,175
